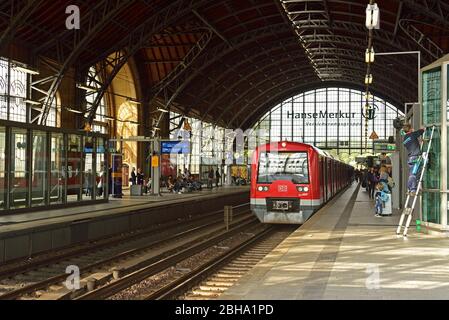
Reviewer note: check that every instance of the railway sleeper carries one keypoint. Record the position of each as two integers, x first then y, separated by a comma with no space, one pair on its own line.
196,297
219,283
237,270
213,288
227,275
206,293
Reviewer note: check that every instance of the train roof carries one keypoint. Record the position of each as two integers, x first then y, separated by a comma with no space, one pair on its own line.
309,146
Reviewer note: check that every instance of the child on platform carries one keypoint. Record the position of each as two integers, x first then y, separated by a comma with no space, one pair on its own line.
382,197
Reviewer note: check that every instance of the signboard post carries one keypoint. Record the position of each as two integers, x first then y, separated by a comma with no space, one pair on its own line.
155,168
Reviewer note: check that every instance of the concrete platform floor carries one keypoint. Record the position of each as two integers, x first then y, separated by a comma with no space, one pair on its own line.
344,252
131,202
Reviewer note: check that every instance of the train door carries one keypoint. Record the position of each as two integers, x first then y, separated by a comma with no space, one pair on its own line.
322,195
332,177
329,187
324,169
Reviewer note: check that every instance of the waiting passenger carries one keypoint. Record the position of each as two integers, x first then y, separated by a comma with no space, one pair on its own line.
197,185
178,186
372,181
140,176
210,179
382,197
88,182
133,176
170,184
217,177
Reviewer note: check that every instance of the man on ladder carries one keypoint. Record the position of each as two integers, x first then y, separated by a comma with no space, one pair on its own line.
416,161
413,147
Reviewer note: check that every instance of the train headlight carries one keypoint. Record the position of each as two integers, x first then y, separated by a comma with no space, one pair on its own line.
299,188
260,188
306,189
265,188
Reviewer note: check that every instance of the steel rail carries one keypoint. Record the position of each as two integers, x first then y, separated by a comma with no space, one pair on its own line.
162,264
61,277
194,277
80,248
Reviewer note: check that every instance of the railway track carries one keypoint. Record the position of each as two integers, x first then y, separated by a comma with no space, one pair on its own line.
211,279
22,281
162,263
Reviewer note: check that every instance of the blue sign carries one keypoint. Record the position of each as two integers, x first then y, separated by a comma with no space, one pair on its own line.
175,147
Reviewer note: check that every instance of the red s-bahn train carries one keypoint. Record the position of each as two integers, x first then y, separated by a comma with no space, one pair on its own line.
291,180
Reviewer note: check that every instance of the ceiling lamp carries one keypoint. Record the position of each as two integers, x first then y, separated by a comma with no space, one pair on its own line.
372,16
133,101
162,109
369,55
36,103
74,110
369,79
87,88
25,69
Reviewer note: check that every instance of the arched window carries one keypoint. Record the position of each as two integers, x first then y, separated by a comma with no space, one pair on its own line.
13,92
329,118
100,123
126,116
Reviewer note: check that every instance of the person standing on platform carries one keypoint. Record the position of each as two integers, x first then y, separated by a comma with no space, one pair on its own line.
110,180
88,182
140,176
186,173
210,179
133,176
217,177
411,143
372,181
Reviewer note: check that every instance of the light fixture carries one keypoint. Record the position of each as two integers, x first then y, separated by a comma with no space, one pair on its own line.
131,100
85,87
372,16
369,55
73,110
25,69
32,102
368,79
37,108
162,109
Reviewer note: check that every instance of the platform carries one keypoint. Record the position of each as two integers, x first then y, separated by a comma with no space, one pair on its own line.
344,252
22,235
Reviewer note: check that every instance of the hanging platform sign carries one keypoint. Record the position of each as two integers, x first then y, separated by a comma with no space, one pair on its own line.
175,147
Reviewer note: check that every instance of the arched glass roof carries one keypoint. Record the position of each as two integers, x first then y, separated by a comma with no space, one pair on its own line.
329,118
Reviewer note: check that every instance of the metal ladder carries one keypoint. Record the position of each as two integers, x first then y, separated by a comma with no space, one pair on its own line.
408,211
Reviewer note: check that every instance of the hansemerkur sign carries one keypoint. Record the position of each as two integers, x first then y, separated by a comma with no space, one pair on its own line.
321,115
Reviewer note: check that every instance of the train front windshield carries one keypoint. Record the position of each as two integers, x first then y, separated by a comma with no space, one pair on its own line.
291,166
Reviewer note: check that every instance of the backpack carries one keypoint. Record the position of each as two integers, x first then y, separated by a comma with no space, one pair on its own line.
391,182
